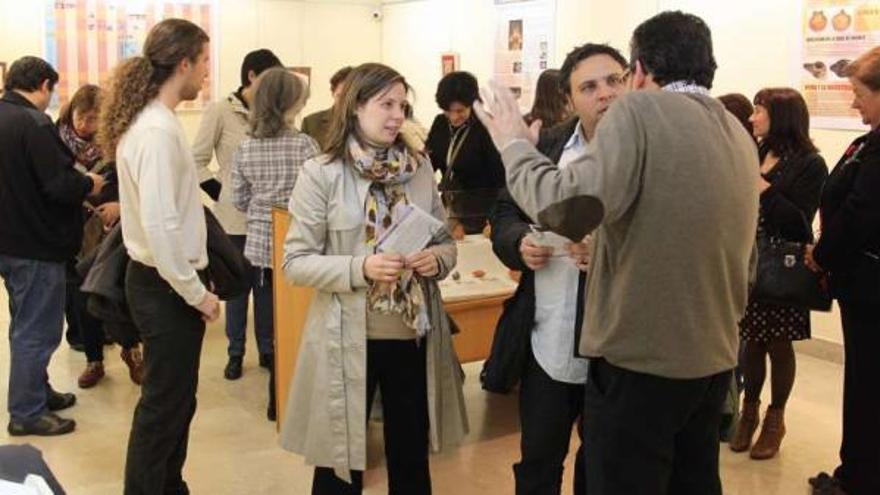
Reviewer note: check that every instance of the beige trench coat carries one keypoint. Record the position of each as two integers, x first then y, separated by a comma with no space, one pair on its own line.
325,249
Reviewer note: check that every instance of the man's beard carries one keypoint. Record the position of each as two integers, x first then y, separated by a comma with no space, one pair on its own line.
190,93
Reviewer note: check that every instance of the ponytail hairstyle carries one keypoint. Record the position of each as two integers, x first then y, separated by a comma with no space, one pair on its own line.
136,81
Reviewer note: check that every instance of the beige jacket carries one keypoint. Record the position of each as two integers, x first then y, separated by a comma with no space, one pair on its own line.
325,249
223,127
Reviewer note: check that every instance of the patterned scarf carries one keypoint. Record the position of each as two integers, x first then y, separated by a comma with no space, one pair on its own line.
87,153
388,170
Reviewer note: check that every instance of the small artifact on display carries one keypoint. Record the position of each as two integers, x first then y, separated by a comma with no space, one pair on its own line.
818,21
478,274
839,67
818,69
841,21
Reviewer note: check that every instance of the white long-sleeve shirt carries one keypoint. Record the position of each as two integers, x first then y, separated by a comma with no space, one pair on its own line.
163,223
556,291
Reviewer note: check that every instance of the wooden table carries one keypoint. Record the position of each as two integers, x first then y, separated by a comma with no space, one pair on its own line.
474,305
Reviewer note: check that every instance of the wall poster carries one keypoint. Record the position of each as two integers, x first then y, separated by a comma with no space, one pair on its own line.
524,45
85,39
834,33
448,63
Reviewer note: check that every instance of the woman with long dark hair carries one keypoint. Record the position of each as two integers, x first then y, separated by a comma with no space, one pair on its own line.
550,105
792,174
376,320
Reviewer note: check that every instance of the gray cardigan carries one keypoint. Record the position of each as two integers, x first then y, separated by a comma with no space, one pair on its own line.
669,183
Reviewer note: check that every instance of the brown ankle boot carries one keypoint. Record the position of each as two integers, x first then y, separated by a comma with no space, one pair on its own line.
93,373
745,428
135,362
771,435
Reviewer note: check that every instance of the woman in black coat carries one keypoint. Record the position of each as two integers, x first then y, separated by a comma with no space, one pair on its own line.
462,150
848,250
792,174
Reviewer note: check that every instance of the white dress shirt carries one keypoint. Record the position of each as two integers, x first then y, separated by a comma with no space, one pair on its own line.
163,223
556,291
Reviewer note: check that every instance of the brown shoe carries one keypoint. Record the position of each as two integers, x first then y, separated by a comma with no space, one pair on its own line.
745,428
91,375
135,362
771,435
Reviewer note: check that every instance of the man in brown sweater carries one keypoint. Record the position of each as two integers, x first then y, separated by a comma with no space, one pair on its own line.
669,184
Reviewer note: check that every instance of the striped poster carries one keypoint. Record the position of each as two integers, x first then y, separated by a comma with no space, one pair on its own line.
86,39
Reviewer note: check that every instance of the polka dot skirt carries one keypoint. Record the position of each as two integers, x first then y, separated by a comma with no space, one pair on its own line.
768,323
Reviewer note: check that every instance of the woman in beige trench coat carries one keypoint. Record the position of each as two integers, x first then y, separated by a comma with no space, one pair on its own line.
376,320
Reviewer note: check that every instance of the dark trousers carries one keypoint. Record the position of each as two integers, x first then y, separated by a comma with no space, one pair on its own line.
547,411
397,368
80,323
237,310
172,333
36,310
648,435
859,470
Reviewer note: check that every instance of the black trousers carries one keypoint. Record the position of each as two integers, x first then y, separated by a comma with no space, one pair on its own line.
172,333
81,325
547,411
648,435
859,470
397,368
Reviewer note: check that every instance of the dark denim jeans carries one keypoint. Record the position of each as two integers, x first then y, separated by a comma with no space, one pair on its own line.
36,307
237,310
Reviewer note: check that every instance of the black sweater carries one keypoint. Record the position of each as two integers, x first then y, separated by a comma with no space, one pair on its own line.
477,165
41,194
789,205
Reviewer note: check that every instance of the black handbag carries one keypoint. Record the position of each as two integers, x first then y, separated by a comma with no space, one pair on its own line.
784,280
511,344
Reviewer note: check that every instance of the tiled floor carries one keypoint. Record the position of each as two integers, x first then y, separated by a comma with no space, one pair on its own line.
233,449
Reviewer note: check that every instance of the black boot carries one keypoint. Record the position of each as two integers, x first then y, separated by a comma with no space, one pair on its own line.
270,410
267,361
233,368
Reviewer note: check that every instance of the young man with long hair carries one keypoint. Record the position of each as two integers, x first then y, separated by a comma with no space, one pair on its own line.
163,224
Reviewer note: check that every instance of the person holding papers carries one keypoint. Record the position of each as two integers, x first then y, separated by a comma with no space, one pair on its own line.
376,319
